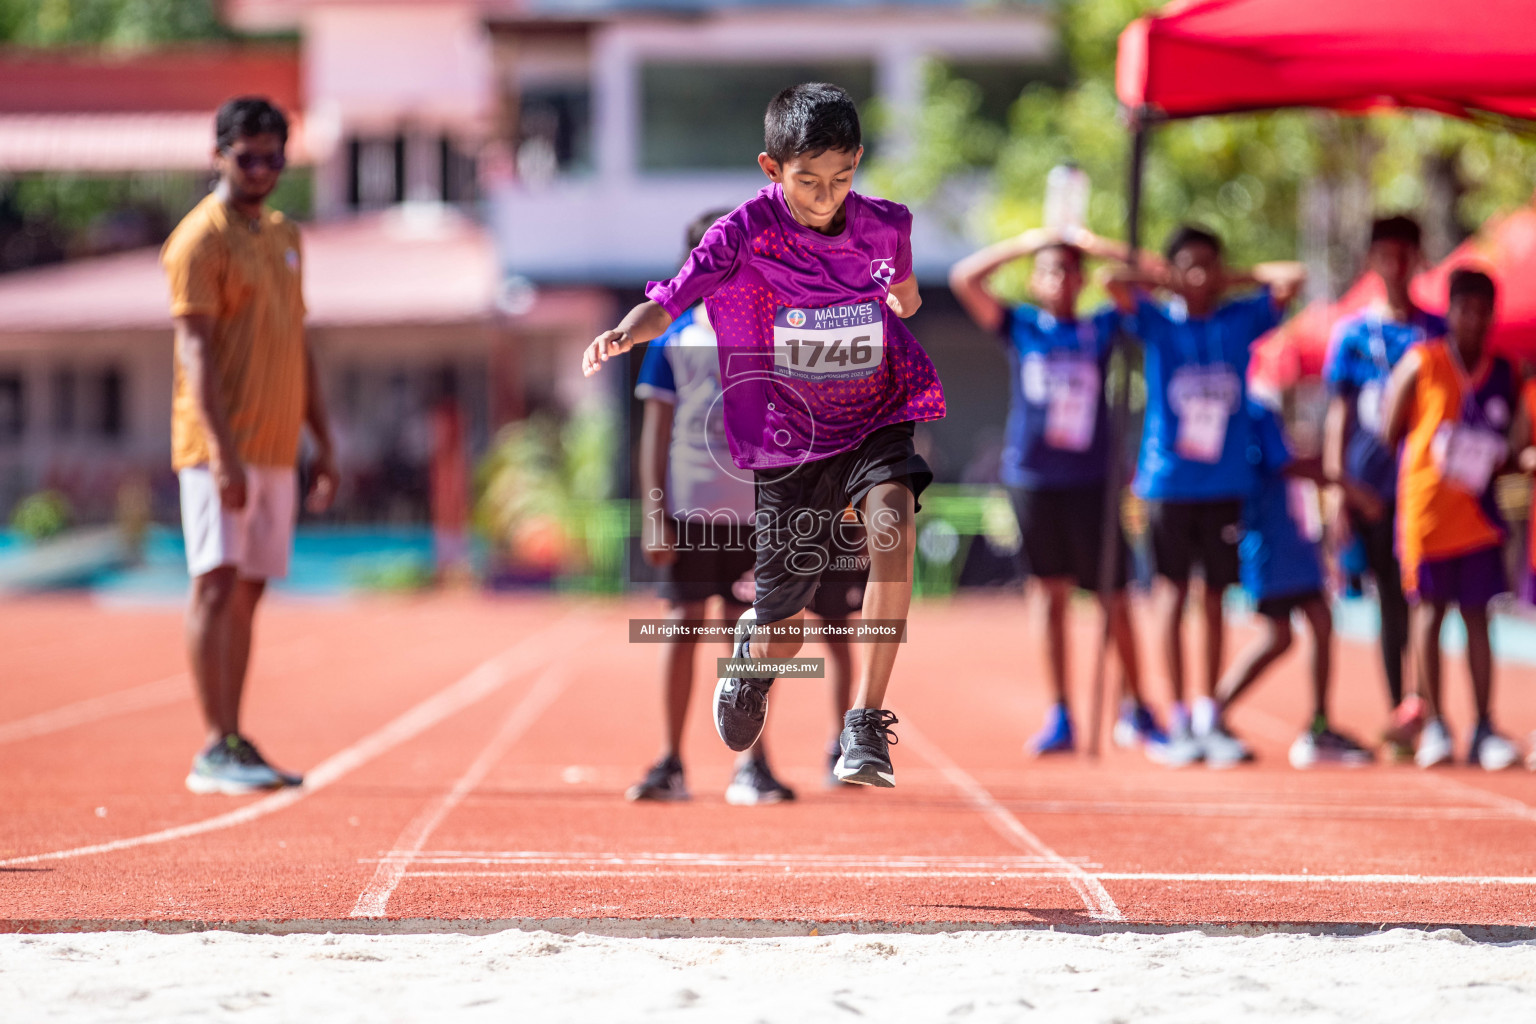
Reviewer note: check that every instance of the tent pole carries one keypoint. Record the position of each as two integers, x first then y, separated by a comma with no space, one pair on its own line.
1119,419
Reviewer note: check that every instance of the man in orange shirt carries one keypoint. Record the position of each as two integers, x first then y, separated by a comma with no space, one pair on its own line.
245,388
1450,406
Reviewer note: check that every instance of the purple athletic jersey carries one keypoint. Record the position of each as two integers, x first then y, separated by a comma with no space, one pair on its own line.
812,360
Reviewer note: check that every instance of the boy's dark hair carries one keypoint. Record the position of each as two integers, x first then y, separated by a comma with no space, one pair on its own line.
701,225
809,119
1396,229
1186,235
1471,283
1070,252
248,115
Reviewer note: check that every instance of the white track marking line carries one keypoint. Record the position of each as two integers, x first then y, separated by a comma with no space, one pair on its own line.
375,898
1052,875
1092,892
139,698
1508,804
480,683
1043,875
718,860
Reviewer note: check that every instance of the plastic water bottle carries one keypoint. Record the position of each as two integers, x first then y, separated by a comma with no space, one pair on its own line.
1066,198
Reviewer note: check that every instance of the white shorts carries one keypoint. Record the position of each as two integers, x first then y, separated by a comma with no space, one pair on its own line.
257,539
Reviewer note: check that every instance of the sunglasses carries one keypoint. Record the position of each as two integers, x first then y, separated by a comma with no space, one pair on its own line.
251,161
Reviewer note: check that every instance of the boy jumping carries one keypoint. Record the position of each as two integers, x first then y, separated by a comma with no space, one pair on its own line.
697,531
1450,407
1056,453
806,285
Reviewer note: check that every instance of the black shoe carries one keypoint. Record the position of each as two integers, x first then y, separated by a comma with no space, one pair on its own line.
663,782
741,702
834,755
754,784
865,741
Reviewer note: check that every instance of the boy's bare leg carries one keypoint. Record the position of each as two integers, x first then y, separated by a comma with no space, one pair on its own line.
1320,621
888,508
1173,637
840,657
1058,595
209,611
1427,620
1274,640
1479,659
1124,635
1215,636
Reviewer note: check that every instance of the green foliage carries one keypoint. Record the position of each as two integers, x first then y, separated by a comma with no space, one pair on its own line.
1241,175
42,515
111,23
542,486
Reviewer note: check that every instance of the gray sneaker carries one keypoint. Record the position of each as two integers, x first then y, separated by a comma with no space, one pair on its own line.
741,702
233,766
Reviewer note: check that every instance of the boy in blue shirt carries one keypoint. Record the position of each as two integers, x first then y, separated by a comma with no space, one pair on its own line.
1283,574
1193,471
1364,349
1056,453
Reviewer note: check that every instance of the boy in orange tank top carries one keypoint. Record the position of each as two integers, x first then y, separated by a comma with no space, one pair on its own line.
1449,406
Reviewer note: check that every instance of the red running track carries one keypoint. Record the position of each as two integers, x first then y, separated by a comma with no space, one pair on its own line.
467,757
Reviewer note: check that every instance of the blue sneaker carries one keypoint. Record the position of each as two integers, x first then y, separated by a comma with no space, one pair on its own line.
1137,726
232,765
1055,736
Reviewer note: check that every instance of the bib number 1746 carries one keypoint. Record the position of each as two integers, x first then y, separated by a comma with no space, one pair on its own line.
841,341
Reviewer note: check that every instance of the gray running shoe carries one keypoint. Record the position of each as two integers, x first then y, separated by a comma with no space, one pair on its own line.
741,702
866,741
233,766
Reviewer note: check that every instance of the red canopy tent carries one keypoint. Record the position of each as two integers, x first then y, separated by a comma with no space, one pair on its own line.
1222,56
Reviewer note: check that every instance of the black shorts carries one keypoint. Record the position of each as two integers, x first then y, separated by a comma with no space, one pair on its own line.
1063,532
802,534
1280,608
711,556
1189,533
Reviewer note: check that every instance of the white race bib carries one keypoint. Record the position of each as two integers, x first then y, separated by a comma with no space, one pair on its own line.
1202,429
1368,407
1072,389
836,342
1467,456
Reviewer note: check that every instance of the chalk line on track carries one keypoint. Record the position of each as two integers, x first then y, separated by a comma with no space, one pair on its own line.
138,698
482,681
1088,887
375,898
1045,873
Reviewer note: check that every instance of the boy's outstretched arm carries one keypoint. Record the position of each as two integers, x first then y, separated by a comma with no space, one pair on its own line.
643,323
903,297
1124,282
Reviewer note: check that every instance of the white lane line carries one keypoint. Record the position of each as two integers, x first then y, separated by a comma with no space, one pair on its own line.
1115,876
847,862
1508,804
139,698
375,898
1326,812
480,683
1088,887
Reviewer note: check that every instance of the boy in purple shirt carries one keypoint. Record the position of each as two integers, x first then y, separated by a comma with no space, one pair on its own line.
806,285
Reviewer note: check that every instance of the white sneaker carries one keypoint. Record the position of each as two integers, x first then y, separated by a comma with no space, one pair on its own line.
1434,745
1222,749
1180,749
1491,751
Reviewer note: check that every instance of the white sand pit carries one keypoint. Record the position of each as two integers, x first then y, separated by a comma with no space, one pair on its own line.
1027,976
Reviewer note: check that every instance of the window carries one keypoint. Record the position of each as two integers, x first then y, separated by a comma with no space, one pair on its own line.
13,406
554,130
109,404
377,175
66,402
710,116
